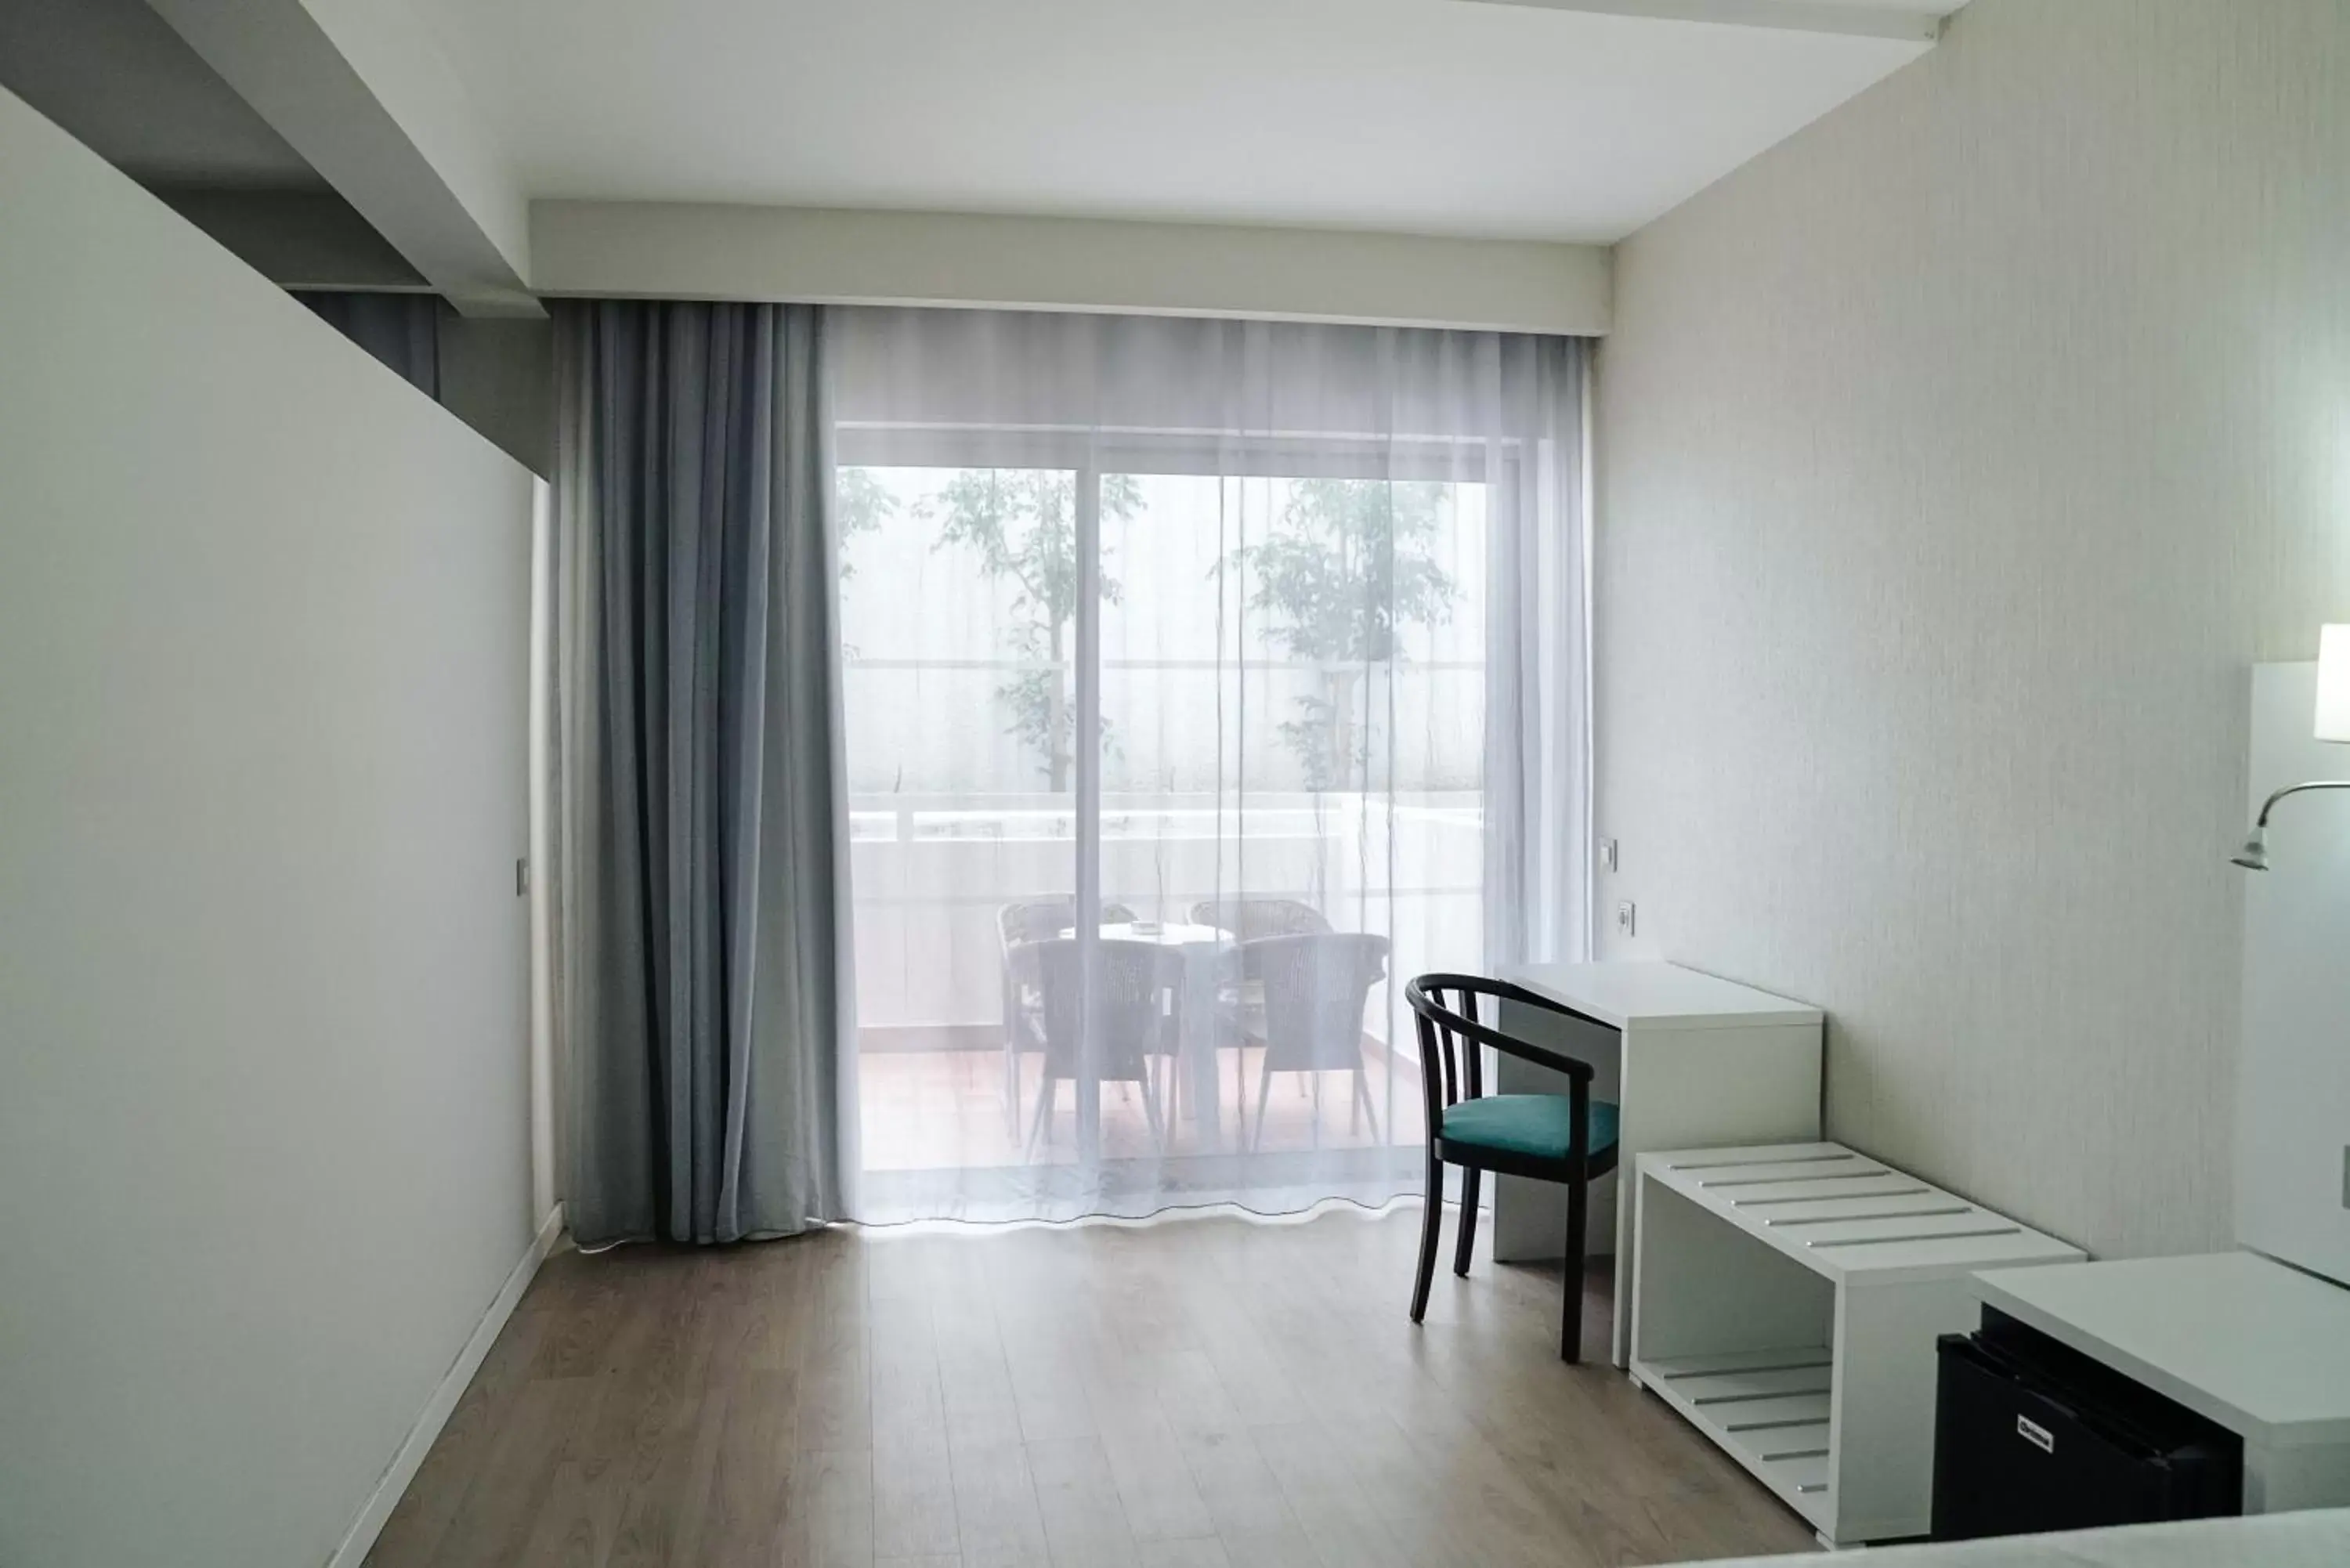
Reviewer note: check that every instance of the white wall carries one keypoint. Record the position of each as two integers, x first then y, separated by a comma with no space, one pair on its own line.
698,251
264,1077
1956,457
498,376
2293,1090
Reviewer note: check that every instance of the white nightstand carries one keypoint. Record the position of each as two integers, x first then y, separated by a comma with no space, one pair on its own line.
2260,1348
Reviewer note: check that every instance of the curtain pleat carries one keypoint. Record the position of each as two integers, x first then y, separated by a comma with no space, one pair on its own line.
1537,723
699,939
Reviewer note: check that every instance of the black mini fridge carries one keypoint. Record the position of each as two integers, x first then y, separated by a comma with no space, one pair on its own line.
2030,1435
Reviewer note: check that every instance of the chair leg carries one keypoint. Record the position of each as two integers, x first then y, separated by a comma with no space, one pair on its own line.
1571,1332
1012,1096
1363,1096
1151,1112
1470,1175
1431,1217
1264,1093
1043,1115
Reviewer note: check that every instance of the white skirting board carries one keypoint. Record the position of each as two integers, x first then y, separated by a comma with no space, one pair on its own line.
360,1538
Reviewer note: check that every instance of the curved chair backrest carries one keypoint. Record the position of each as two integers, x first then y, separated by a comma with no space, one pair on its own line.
1452,1065
1250,919
1134,985
1037,919
1314,985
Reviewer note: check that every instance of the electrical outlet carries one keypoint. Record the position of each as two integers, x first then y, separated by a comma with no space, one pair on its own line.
1607,855
1626,921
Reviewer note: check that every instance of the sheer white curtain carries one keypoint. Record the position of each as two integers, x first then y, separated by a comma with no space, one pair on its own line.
1205,680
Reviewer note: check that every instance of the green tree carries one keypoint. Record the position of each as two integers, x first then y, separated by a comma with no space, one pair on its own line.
862,503
1348,564
1024,524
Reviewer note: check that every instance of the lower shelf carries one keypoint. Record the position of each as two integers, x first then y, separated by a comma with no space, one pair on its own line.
1768,1408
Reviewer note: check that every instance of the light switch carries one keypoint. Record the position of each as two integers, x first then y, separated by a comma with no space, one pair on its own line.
1607,855
1624,923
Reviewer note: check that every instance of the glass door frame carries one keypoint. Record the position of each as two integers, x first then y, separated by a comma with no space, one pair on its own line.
1499,464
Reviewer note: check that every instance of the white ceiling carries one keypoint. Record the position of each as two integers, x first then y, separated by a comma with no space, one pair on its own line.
1415,116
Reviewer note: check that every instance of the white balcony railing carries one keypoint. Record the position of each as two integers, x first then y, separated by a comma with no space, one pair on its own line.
930,873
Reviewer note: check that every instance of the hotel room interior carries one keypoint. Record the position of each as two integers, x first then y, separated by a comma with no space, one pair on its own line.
1174,784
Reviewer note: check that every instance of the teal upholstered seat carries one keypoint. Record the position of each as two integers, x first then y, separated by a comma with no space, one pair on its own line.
1538,1125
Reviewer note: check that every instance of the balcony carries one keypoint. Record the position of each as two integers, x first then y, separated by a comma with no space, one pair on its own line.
944,1130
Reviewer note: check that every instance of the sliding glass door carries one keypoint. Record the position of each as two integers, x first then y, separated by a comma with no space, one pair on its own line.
1166,755
959,691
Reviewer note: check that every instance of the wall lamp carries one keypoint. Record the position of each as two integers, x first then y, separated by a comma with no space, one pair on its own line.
2332,723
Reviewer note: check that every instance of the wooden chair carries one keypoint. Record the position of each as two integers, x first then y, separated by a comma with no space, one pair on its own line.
1132,1018
1569,1138
1034,920
1311,1018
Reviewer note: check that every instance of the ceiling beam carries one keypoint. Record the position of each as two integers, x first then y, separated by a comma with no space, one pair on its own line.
1912,21
297,239
665,250
450,215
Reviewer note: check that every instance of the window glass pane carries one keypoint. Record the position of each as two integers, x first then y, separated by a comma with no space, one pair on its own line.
1292,696
957,598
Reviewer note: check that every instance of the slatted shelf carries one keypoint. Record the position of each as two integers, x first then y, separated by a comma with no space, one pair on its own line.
1837,1245
1764,1383
1911,1201
1781,1194
1772,1416
1736,1361
1806,1475
1834,1209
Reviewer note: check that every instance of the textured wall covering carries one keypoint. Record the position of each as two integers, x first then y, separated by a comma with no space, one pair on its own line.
1955,458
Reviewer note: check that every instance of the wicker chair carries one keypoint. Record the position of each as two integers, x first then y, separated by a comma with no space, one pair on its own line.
1314,985
1036,921
1248,919
1132,1018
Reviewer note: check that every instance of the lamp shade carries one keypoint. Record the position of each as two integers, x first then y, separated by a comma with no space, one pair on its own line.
2333,683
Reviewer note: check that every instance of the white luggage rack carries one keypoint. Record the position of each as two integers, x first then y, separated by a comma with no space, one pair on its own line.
1786,1299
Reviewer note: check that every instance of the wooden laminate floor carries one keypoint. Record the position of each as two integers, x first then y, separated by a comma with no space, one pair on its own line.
1195,1394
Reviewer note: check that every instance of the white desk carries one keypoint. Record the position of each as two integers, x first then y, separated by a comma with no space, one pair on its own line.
2260,1348
1689,1061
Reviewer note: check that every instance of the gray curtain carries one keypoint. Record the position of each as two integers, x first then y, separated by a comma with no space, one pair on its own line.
703,993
